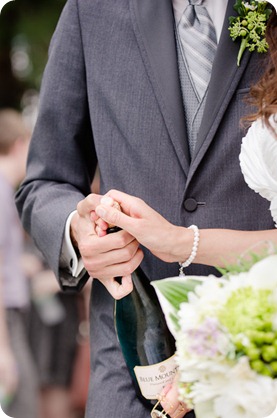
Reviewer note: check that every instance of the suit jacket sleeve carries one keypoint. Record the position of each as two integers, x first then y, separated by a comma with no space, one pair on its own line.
62,157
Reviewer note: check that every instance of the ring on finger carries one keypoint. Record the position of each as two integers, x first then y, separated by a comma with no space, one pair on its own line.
180,410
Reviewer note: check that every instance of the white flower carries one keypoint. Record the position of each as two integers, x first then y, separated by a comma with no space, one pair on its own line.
263,275
252,6
205,299
236,391
249,6
246,394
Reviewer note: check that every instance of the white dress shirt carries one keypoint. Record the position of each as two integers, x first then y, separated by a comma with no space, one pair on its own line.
68,258
216,9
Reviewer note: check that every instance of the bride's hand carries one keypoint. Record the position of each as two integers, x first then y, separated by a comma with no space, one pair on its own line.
163,239
169,400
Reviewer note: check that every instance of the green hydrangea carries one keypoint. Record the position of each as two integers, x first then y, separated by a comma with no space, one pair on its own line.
252,307
247,315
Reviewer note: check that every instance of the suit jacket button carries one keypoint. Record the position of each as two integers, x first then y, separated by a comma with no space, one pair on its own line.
190,204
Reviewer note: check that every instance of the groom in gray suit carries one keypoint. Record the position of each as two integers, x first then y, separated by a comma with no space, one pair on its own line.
118,91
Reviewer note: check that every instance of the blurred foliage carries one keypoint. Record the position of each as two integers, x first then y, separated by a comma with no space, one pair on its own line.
26,27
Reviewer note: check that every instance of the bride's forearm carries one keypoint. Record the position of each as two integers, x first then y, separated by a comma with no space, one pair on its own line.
171,243
220,247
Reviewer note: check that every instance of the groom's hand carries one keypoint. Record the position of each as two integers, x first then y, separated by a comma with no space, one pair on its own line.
166,241
108,256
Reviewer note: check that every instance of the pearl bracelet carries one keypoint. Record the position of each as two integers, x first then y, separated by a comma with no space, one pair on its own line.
193,250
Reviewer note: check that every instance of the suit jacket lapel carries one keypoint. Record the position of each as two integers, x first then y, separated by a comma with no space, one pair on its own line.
153,23
224,81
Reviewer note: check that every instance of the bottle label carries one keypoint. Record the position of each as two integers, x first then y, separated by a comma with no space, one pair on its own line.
152,379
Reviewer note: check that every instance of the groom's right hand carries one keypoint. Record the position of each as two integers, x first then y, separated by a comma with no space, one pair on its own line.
108,256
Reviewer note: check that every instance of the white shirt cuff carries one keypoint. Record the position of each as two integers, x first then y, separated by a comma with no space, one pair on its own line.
68,257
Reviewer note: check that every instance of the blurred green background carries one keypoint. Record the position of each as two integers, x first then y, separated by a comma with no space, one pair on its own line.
26,27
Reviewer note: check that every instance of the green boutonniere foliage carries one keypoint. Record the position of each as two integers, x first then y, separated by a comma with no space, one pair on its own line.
250,25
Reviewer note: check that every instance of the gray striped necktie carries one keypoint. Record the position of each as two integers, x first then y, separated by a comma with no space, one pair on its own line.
198,38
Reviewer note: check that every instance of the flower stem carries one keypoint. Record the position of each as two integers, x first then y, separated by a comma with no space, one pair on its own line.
241,50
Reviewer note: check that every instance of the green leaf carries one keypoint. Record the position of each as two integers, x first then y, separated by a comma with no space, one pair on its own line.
176,291
174,318
247,260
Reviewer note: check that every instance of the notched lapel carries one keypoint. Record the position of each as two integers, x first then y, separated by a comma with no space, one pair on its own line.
225,78
153,23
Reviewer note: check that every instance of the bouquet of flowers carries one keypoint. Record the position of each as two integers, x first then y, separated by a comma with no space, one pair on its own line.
226,340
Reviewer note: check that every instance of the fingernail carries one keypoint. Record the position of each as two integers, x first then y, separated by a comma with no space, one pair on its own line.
106,200
101,212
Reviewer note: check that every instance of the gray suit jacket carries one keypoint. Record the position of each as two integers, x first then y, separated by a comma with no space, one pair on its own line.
111,94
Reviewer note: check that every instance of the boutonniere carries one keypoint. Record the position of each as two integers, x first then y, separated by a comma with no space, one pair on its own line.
250,25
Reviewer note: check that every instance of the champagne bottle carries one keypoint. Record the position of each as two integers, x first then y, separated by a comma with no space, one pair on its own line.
147,345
